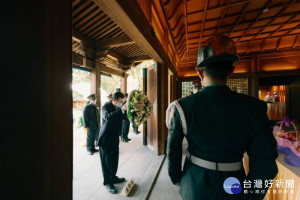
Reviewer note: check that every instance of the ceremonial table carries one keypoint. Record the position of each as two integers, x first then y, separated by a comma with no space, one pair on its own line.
286,172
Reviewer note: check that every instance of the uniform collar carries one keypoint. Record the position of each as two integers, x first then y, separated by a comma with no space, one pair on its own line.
215,87
215,84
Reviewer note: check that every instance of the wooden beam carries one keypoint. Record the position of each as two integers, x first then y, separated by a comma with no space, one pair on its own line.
272,53
279,73
295,42
114,42
83,38
278,43
109,70
82,61
116,56
131,19
240,17
119,16
222,18
186,29
168,24
203,22
138,59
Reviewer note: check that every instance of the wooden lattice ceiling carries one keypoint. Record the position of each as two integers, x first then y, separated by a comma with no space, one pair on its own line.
255,25
91,23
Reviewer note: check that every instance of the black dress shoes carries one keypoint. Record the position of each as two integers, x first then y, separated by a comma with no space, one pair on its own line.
90,152
95,150
128,139
124,140
111,188
118,180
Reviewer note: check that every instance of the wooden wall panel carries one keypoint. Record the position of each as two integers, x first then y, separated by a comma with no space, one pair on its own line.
244,66
36,77
152,94
280,63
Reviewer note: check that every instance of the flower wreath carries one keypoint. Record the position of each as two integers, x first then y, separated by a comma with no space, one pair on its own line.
139,108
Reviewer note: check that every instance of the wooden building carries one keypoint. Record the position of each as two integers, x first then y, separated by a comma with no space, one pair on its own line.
42,40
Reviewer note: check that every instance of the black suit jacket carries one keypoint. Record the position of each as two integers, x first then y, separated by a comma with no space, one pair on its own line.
221,126
111,126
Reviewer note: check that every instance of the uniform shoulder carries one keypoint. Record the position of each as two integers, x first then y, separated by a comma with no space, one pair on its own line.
107,104
90,105
252,101
188,99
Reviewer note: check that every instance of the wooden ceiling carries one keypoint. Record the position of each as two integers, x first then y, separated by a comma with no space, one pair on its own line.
255,25
92,28
181,26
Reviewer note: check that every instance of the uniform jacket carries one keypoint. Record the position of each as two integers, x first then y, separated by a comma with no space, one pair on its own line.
91,116
112,118
221,125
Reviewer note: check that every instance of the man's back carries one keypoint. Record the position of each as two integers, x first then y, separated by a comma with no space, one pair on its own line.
221,123
221,126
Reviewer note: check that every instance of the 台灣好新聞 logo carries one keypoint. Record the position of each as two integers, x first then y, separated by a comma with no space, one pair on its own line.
232,186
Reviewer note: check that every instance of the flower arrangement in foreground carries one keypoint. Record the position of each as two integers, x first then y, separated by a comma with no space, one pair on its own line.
288,142
139,108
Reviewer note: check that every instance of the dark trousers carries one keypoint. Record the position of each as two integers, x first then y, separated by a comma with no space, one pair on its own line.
109,162
90,138
125,128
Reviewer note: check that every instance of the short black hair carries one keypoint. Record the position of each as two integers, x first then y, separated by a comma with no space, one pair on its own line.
117,96
218,70
118,89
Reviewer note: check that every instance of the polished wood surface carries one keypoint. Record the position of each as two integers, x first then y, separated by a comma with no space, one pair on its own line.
285,172
276,111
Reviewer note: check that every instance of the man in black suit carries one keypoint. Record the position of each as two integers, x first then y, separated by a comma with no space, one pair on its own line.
125,126
112,117
220,126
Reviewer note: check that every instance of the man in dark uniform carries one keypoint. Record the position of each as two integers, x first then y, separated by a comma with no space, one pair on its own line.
220,126
91,121
112,117
125,125
109,97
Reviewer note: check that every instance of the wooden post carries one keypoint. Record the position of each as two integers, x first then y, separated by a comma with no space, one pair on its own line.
96,82
254,81
162,105
36,128
145,92
124,83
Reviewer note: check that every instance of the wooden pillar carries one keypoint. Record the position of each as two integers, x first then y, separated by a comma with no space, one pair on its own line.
96,82
145,92
36,105
162,105
124,83
254,81
179,89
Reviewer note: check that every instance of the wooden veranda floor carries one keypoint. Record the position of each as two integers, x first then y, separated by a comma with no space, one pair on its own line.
135,161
